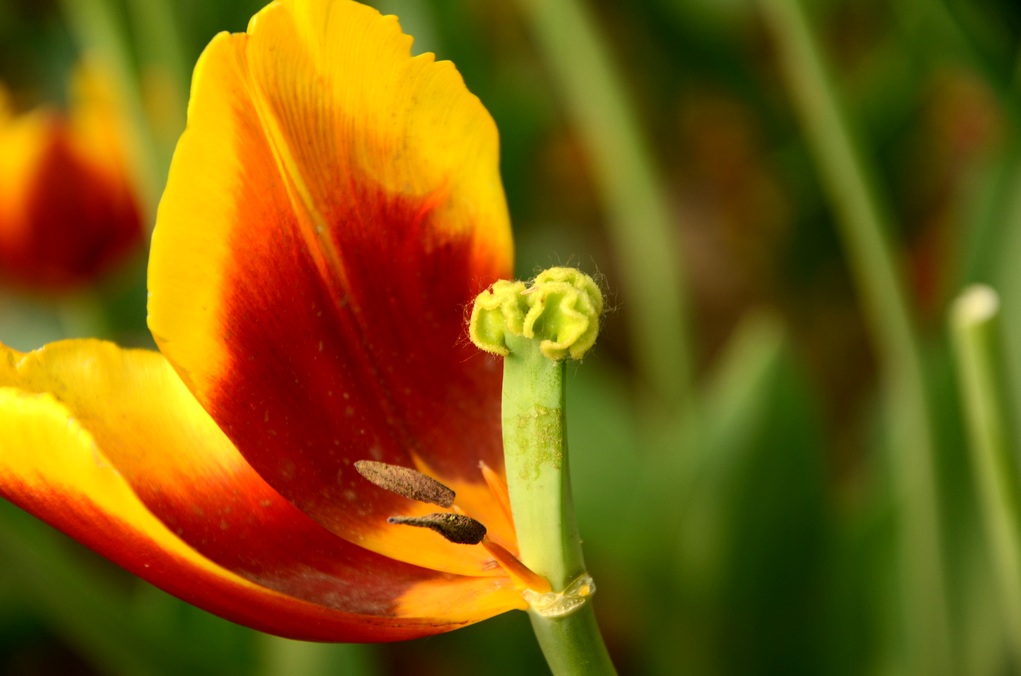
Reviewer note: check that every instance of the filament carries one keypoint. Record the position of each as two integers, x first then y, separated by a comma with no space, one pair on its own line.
519,571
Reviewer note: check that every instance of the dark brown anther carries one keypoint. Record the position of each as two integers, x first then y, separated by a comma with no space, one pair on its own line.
406,482
457,528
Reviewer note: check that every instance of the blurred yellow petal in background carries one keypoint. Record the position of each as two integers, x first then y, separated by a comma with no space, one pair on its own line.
68,206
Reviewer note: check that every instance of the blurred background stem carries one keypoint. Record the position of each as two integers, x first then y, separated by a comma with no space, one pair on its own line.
975,327
641,226
284,657
164,77
847,179
99,30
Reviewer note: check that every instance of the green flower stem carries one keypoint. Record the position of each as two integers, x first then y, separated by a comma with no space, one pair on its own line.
534,429
572,644
535,449
975,329
862,226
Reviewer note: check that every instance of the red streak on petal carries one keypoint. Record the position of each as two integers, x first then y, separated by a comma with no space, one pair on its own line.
322,376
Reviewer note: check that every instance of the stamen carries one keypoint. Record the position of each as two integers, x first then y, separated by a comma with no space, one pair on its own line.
457,528
498,487
406,482
519,571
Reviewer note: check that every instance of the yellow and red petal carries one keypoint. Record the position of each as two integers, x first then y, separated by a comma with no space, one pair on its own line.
109,446
332,208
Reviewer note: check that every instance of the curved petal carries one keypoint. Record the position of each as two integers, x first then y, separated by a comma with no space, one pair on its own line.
121,457
331,209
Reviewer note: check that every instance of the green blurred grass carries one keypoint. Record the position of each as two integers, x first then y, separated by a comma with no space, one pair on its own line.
757,529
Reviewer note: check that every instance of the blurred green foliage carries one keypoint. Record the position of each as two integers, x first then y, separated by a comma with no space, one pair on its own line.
747,521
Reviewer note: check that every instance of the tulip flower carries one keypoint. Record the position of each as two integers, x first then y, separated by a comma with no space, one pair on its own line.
332,209
68,209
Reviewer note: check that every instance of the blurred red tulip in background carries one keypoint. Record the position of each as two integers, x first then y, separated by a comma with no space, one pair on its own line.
68,210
